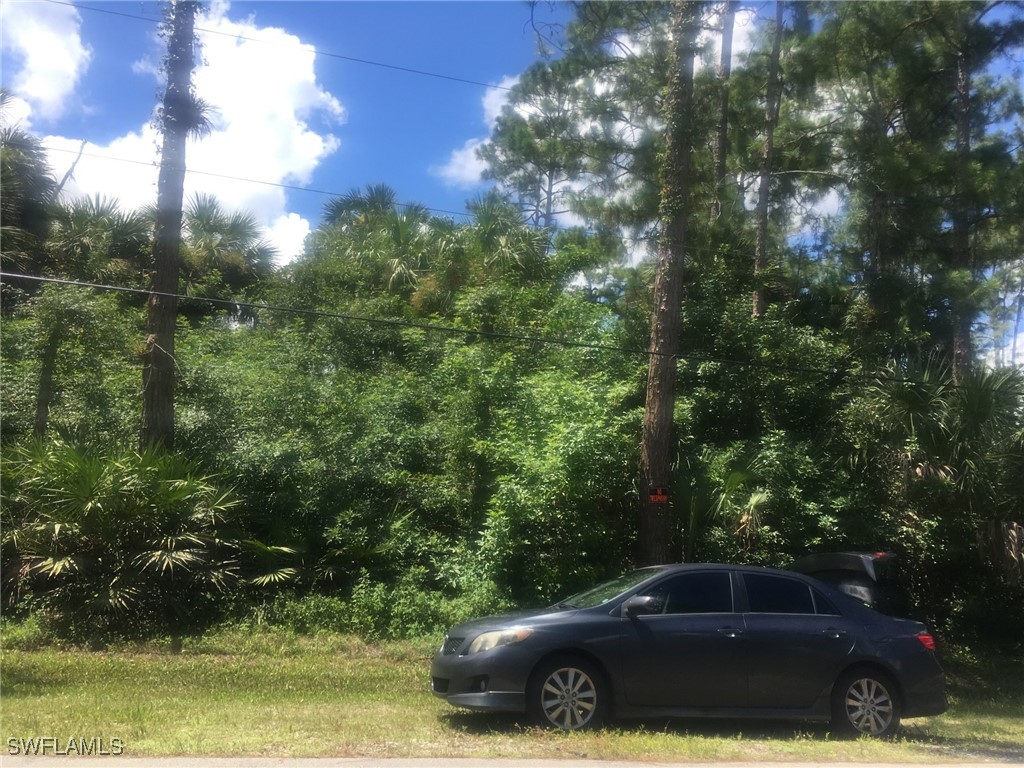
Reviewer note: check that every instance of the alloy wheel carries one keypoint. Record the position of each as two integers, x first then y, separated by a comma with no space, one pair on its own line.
569,698
869,706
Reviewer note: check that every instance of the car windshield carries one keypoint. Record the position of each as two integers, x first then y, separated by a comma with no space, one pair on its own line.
602,593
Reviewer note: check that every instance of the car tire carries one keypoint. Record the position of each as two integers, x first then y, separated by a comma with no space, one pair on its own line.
568,693
865,702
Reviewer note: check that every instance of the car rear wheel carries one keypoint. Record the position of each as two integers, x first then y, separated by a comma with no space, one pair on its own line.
567,693
864,702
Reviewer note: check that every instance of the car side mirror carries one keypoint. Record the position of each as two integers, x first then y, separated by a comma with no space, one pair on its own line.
642,605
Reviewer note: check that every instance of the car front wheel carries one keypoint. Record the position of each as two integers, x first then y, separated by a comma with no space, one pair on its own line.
864,703
567,693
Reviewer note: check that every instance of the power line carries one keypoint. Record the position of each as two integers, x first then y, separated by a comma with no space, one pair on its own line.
279,185
293,187
317,51
232,304
235,305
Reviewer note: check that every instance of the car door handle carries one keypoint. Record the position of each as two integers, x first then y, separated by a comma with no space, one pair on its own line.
834,633
730,632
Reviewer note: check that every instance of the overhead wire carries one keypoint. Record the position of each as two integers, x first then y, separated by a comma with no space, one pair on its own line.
230,177
382,321
279,185
317,51
451,330
296,188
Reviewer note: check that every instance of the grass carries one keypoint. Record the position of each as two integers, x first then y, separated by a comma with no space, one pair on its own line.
277,694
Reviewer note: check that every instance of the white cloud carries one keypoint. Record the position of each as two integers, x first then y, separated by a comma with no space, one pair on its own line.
743,33
745,29
495,99
17,111
288,233
44,38
464,168
267,109
1000,352
830,204
132,183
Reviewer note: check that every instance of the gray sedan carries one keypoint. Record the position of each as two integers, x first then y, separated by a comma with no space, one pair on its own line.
697,640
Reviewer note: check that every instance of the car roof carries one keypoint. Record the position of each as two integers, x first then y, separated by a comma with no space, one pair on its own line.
675,567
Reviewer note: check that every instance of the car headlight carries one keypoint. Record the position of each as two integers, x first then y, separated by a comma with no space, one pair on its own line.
498,638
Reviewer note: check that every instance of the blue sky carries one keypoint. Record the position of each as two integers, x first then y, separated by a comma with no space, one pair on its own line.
284,113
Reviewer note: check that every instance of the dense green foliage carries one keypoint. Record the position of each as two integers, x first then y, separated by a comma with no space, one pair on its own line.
451,423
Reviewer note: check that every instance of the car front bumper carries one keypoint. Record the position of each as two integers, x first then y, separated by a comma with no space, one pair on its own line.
492,681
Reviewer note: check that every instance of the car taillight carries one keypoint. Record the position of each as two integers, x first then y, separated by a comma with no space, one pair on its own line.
927,641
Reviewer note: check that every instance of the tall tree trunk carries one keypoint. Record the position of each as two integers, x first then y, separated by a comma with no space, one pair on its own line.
549,202
656,448
1017,320
721,146
44,395
962,312
773,101
157,427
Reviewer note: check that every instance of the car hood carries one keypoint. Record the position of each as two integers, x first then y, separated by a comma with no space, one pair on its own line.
507,620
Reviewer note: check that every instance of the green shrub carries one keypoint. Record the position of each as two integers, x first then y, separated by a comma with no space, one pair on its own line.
409,608
25,634
104,546
308,614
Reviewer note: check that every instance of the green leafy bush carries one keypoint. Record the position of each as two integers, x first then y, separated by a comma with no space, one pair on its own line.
307,614
104,545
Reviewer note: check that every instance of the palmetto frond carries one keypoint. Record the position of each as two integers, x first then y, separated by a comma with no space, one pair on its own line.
164,561
109,534
26,185
221,575
117,598
356,207
54,567
379,198
276,577
272,564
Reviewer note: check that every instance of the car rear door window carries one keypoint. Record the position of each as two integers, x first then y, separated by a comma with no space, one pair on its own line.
823,606
709,592
777,594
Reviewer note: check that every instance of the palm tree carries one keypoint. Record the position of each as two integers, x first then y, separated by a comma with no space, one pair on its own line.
954,440
402,242
93,239
502,240
224,252
27,189
356,207
397,245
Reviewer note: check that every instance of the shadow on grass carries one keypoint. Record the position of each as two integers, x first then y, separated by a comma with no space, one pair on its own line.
20,681
482,723
973,747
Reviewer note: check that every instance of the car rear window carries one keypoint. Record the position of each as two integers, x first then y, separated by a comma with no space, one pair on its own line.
824,606
777,594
